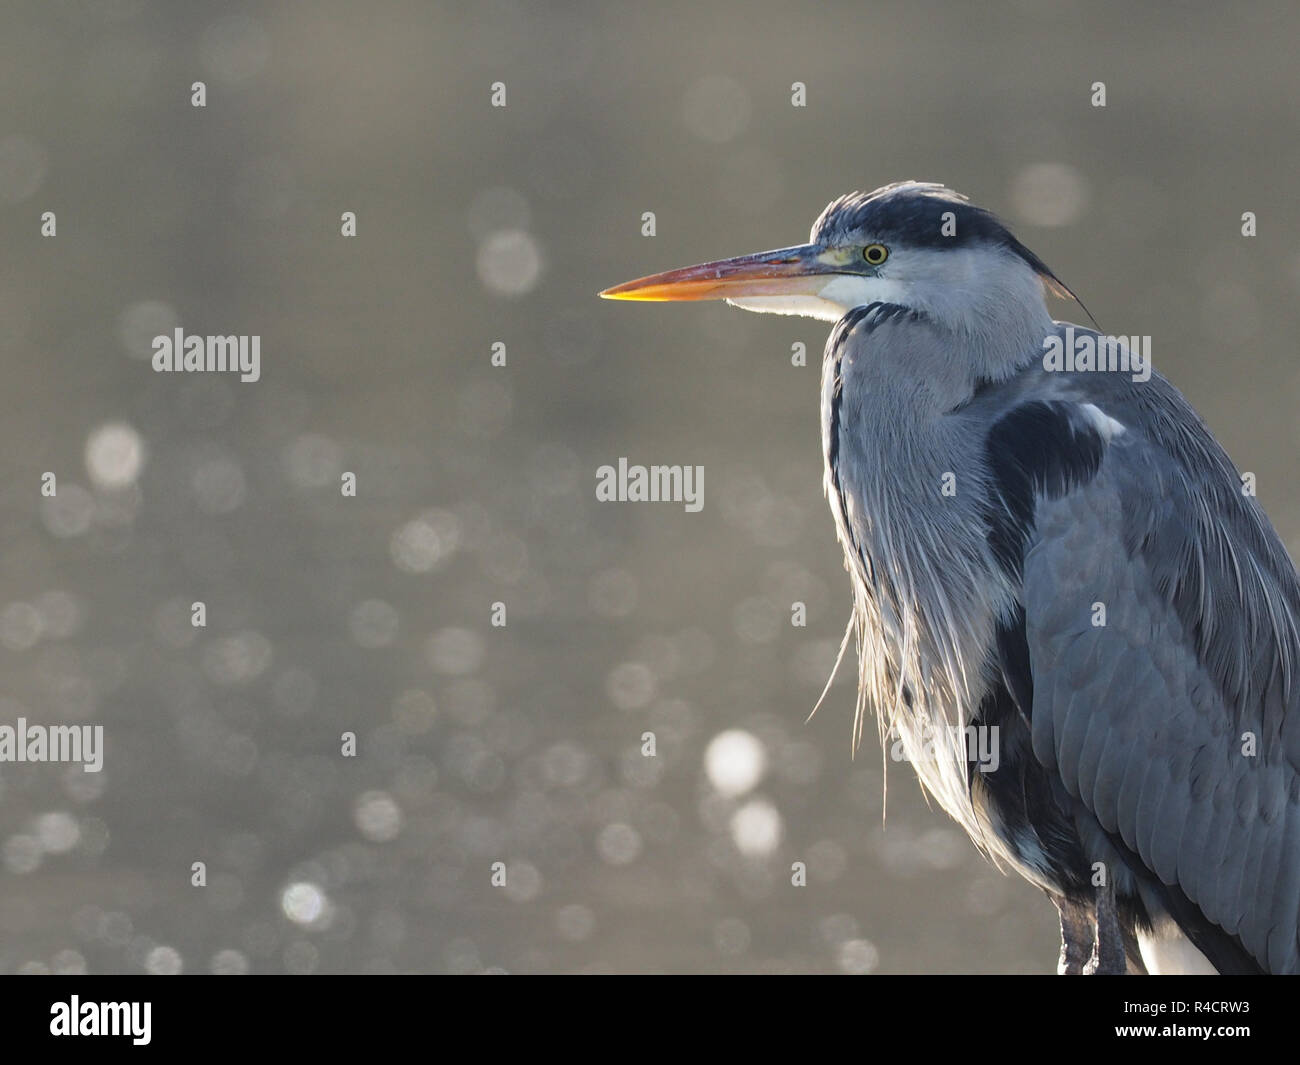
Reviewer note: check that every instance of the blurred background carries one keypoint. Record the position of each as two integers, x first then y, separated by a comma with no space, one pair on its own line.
476,484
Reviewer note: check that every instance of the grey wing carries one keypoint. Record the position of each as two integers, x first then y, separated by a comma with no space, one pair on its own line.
1161,620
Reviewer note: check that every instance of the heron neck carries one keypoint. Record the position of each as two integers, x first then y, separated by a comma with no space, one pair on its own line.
994,314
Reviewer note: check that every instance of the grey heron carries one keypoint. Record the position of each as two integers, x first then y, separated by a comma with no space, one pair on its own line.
1064,554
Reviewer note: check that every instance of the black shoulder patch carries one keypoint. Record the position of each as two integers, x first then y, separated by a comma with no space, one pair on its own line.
1044,448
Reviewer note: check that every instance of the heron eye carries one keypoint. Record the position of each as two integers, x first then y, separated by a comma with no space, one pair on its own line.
875,254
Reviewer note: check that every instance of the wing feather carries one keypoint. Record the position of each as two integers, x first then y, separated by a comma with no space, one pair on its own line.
1144,717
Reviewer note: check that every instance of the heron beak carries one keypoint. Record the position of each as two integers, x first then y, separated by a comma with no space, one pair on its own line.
800,270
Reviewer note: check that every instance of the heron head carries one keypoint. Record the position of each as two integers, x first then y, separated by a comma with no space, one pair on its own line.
916,244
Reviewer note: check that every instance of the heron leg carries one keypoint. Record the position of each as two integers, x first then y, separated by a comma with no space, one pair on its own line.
1108,956
1136,966
1076,936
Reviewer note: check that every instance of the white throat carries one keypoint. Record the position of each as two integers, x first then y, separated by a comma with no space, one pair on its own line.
840,294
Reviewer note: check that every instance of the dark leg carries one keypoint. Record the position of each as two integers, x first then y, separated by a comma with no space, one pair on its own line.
1108,958
1136,966
1076,936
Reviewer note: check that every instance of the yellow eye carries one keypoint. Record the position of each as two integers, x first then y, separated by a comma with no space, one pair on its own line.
875,254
